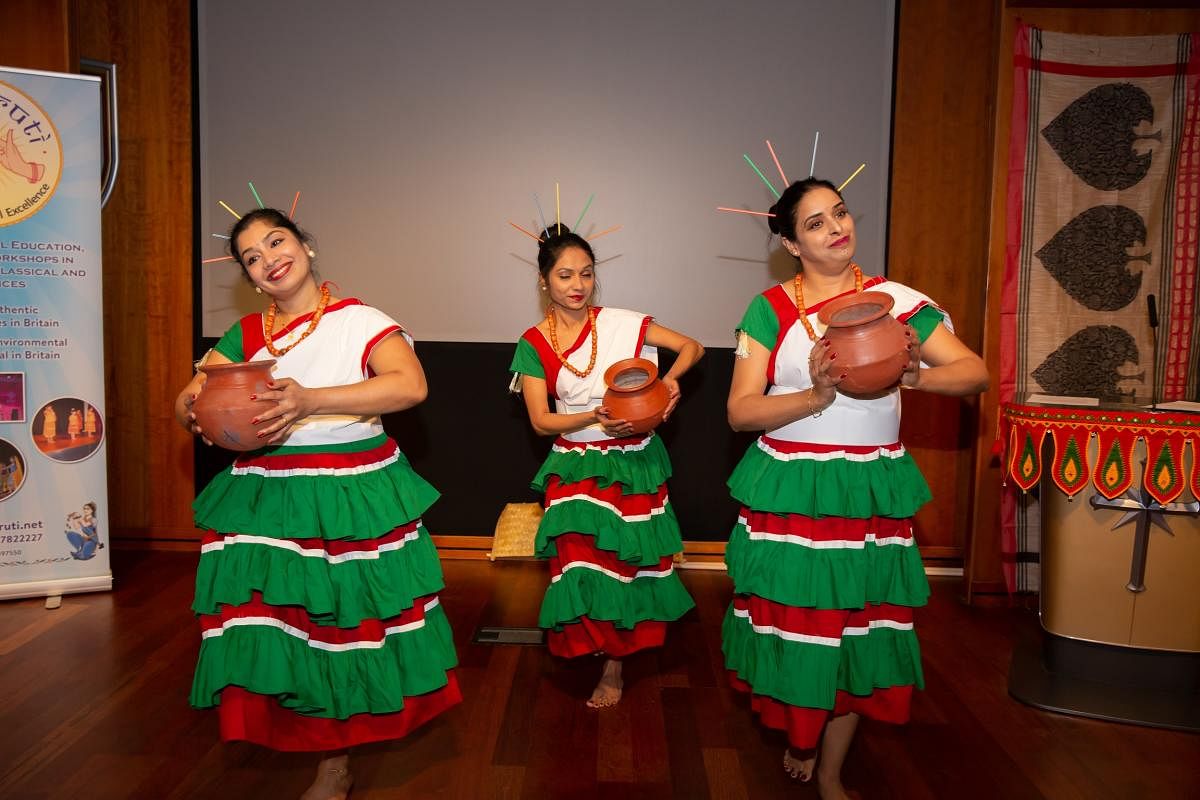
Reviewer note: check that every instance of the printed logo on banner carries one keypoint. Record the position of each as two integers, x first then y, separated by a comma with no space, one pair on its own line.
30,156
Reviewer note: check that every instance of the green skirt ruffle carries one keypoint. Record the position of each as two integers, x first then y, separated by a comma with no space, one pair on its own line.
360,506
639,543
341,594
321,683
638,471
586,592
884,487
826,578
809,675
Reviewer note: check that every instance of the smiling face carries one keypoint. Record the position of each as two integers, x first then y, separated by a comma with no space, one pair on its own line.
571,280
275,260
824,229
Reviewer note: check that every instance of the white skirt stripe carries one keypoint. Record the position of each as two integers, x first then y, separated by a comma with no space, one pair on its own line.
271,622
829,544
586,498
309,552
361,469
834,455
641,573
790,636
875,624
589,447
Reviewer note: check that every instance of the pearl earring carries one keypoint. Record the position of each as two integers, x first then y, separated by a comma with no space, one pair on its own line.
311,254
258,290
542,287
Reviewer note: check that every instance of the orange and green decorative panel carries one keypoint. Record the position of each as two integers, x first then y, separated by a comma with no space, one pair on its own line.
1070,470
1114,462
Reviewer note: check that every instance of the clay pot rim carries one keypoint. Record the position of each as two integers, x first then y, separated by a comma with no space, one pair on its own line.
885,301
210,368
612,372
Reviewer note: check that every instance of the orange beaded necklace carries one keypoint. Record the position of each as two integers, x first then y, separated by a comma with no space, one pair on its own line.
798,283
312,323
552,324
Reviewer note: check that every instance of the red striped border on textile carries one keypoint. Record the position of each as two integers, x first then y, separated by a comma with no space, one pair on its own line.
550,361
826,529
626,442
612,497
575,550
816,625
1182,288
329,547
784,446
370,348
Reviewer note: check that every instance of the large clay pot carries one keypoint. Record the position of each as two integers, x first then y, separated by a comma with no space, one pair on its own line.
224,409
635,394
870,343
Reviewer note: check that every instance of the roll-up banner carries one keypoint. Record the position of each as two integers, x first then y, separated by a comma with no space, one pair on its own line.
53,478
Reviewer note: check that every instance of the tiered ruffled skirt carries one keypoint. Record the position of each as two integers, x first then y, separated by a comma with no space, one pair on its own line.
317,592
610,534
826,575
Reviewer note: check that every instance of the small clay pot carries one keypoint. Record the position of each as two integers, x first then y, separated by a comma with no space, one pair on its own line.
635,394
223,407
870,343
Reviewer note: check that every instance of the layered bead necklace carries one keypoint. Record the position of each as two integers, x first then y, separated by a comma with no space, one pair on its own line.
552,324
312,323
798,283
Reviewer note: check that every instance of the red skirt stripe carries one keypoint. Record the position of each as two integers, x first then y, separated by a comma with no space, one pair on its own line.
246,716
319,460
296,618
574,548
804,725
600,444
784,446
826,528
626,505
589,636
331,547
827,623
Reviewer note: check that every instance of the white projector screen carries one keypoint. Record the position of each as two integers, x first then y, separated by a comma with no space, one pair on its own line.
416,131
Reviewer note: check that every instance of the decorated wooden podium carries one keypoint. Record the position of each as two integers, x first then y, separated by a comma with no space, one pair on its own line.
1120,559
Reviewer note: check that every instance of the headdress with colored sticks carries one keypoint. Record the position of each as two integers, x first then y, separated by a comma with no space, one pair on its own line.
236,215
811,172
558,227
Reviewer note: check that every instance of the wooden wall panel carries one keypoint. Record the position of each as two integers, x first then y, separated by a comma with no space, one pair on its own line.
984,568
36,34
147,260
941,173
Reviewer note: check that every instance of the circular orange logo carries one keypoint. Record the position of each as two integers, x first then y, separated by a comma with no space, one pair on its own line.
30,156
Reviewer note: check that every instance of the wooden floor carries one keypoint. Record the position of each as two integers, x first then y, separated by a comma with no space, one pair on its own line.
94,705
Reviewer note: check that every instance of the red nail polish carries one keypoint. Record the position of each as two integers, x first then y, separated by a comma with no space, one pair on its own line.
832,357
253,397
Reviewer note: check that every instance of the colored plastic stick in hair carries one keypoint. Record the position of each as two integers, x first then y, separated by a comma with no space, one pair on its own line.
557,212
295,200
527,233
853,175
601,233
786,182
255,193
586,206
213,260
754,167
812,167
541,215
744,211
220,236
225,206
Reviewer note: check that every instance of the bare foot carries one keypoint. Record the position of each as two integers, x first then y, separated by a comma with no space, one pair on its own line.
608,690
799,766
333,780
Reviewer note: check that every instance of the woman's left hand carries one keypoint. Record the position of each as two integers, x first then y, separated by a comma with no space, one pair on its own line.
912,371
673,396
292,401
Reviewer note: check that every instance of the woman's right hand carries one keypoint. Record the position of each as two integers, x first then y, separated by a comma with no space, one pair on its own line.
616,428
825,374
193,426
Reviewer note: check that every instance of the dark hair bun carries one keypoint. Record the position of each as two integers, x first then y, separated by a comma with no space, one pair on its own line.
554,231
773,220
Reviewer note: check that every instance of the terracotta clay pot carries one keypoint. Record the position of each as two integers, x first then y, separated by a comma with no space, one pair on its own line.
870,343
635,394
224,409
